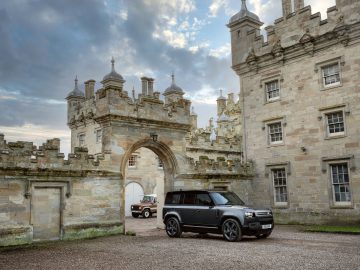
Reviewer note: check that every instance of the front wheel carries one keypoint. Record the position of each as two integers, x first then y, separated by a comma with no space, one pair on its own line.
231,230
146,213
172,227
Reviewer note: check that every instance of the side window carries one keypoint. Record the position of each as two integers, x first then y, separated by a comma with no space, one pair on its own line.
189,198
203,199
173,198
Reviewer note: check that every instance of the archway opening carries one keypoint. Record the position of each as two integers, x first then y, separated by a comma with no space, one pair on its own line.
148,170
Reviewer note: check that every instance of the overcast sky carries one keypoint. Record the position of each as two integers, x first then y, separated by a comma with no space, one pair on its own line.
45,43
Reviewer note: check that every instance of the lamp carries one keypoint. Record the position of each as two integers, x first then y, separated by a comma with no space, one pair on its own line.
154,136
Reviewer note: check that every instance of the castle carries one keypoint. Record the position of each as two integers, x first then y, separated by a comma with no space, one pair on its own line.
291,142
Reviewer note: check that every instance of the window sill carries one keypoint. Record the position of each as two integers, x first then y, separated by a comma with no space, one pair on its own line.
324,88
276,144
342,206
335,137
280,206
272,100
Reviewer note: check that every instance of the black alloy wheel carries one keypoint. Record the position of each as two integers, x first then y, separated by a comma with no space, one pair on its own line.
172,227
231,230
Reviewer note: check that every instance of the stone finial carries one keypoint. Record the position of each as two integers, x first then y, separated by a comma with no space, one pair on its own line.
112,63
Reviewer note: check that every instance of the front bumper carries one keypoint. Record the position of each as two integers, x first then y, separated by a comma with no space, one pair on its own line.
257,226
136,211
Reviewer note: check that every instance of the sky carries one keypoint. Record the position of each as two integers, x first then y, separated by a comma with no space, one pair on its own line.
44,44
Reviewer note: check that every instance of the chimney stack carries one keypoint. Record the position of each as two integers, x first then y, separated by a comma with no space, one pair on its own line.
299,4
150,86
144,86
286,5
89,89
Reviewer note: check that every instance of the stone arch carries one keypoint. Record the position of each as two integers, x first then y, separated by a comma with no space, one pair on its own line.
170,167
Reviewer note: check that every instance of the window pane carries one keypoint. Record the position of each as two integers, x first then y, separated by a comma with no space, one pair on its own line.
272,90
275,132
280,190
340,181
335,122
331,74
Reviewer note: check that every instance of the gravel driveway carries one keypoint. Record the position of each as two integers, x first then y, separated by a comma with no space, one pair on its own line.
152,249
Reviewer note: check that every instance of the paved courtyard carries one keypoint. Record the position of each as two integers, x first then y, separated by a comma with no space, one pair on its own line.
152,249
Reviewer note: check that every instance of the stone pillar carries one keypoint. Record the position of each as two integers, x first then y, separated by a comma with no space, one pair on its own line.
286,6
86,90
144,86
150,86
230,99
299,4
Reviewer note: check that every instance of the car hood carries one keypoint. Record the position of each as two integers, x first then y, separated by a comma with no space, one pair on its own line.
142,204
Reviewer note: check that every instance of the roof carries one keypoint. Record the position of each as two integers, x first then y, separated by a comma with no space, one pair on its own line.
76,92
173,88
244,12
113,75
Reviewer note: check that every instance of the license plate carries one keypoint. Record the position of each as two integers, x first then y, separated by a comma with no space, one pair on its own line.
266,226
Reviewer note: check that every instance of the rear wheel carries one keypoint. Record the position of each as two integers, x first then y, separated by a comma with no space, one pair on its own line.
172,227
135,215
146,213
231,230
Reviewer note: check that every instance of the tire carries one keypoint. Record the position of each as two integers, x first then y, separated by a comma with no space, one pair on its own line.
264,235
231,230
172,227
135,215
146,213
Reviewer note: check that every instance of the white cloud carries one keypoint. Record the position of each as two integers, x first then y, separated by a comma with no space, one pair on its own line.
221,52
206,95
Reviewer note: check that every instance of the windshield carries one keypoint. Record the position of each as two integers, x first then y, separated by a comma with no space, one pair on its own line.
226,198
147,199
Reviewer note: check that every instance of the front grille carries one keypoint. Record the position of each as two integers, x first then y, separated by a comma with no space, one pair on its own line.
134,207
263,214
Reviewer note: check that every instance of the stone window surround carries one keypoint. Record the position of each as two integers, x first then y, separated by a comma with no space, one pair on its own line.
318,67
80,134
97,136
264,81
326,162
268,173
344,108
273,120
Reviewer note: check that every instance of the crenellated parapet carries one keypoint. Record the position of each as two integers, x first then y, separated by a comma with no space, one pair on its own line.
298,33
226,168
25,156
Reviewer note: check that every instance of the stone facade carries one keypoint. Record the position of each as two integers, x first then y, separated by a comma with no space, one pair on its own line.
301,112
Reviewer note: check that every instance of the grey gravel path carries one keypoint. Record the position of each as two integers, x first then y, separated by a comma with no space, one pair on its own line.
152,249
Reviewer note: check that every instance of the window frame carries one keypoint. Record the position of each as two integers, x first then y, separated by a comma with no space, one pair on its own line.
270,142
273,99
97,136
337,83
320,67
325,112
272,177
82,143
132,158
334,203
264,82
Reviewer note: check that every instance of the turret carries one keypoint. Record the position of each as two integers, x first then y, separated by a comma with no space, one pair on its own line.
221,104
173,93
74,99
113,79
240,25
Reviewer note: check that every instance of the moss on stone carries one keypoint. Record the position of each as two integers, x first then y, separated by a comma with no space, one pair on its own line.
73,234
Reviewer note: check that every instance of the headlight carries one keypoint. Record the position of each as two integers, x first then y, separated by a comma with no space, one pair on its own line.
249,214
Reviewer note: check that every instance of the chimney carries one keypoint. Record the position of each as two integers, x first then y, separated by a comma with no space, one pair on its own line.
299,4
89,89
144,85
86,90
286,5
150,86
230,98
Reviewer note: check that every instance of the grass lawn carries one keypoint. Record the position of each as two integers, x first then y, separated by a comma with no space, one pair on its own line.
333,229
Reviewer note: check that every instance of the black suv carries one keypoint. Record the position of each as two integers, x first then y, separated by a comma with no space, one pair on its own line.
214,212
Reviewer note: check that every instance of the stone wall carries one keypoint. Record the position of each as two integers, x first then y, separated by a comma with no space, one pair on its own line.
43,196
